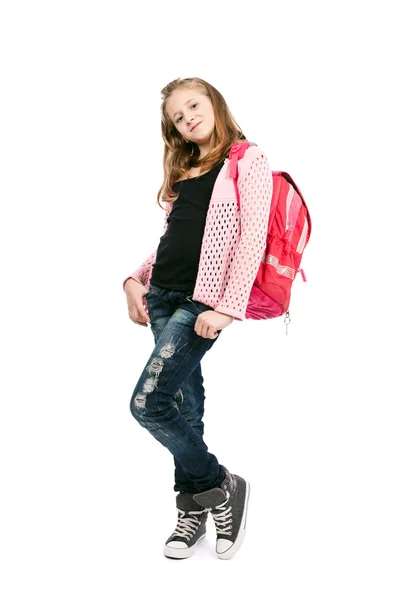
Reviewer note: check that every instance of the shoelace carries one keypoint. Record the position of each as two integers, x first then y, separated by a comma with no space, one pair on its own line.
220,518
187,526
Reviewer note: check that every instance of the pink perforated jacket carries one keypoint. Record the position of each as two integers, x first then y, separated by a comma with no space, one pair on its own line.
233,241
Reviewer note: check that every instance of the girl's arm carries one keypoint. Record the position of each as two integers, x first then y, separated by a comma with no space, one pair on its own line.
255,191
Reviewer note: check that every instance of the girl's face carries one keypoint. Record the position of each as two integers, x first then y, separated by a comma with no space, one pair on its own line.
188,109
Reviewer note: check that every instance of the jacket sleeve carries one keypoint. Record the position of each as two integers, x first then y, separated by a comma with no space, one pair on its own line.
143,273
255,192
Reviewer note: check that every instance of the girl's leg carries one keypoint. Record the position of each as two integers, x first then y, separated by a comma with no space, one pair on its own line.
190,398
191,406
159,396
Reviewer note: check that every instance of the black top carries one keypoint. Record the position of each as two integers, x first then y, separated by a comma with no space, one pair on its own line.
178,253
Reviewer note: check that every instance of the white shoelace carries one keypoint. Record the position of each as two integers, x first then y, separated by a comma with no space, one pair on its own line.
220,519
187,526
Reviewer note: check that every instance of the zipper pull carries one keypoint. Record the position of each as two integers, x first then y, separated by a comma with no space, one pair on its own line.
287,321
301,271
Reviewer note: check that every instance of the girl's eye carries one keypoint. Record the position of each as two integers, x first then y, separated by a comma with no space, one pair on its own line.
195,104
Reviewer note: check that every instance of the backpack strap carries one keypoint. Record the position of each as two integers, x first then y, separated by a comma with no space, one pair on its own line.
237,151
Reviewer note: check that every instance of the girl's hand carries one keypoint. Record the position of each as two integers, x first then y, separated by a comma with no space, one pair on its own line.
134,295
210,322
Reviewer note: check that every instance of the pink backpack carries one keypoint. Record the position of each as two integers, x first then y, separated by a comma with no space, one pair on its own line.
289,230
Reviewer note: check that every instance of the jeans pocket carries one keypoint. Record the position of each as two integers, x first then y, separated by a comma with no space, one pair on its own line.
199,306
154,289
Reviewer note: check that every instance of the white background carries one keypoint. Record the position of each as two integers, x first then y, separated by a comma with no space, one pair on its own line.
311,419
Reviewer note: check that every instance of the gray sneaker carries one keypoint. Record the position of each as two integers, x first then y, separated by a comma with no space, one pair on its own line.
190,530
228,505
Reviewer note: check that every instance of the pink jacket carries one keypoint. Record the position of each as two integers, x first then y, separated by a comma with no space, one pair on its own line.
233,241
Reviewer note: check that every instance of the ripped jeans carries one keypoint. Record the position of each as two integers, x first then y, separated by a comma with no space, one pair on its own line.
168,399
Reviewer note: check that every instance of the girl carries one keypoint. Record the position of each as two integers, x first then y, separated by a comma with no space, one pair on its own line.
194,285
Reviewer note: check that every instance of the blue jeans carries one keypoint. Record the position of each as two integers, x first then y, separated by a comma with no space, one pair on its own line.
168,399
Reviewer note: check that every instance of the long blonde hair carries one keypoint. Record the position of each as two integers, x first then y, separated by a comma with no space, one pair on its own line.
177,159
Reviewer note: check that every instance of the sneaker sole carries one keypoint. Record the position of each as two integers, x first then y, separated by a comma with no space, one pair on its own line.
182,552
242,531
